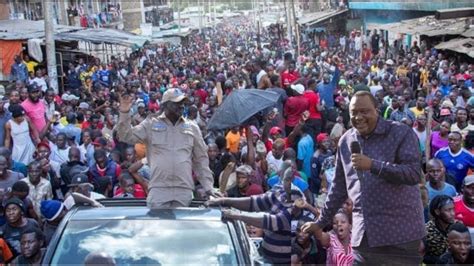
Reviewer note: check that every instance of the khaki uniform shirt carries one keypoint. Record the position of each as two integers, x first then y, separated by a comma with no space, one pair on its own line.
174,152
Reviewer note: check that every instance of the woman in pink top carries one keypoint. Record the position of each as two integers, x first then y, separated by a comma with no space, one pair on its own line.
337,241
439,139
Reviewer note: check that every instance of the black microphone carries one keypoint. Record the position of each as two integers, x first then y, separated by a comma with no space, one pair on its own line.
355,148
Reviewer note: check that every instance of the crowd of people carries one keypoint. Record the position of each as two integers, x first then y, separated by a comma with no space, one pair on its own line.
137,127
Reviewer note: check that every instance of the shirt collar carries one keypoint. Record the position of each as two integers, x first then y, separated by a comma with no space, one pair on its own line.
164,118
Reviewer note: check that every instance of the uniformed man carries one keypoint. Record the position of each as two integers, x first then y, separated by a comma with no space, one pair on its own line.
175,149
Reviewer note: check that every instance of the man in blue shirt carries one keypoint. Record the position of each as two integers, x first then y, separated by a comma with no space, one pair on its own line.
326,88
445,86
19,71
71,131
455,158
305,151
13,165
436,184
296,181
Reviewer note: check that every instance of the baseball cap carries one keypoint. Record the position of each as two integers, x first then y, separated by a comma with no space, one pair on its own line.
389,62
322,137
275,130
244,169
468,180
73,97
84,105
298,88
79,179
173,95
33,87
65,97
141,104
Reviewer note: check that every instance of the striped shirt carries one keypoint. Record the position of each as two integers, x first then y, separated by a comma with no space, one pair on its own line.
336,254
276,245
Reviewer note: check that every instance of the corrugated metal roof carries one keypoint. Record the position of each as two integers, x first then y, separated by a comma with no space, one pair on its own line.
316,17
20,29
429,26
102,35
460,45
29,29
469,33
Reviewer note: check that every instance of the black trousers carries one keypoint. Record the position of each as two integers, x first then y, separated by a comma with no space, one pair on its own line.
401,254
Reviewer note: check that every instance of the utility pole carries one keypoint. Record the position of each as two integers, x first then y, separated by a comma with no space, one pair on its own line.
209,14
215,14
179,15
297,32
288,24
142,11
200,16
50,48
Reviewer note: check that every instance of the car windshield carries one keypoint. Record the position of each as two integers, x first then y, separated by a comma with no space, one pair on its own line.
157,242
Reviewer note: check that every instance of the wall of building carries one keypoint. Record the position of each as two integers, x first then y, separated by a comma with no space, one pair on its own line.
132,15
420,5
4,10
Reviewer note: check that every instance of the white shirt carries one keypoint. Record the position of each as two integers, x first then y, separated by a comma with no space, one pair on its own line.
59,155
40,82
375,88
260,75
342,41
357,43
273,163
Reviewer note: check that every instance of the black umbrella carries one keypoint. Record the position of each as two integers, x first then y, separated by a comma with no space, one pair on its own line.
239,106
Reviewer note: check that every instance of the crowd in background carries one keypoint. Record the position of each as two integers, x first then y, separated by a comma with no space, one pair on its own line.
60,149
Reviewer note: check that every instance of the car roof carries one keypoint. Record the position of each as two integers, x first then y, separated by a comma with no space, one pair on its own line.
137,212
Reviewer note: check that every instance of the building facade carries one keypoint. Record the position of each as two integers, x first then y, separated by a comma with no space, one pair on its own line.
117,14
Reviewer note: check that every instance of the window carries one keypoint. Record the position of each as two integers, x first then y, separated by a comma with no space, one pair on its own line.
165,242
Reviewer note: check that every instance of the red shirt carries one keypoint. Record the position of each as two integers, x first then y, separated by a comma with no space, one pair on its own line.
313,100
139,192
323,43
294,107
289,77
463,213
153,106
366,55
253,189
86,124
202,94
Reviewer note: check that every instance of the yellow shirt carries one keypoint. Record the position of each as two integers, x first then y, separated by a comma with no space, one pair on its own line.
417,112
424,77
31,66
402,71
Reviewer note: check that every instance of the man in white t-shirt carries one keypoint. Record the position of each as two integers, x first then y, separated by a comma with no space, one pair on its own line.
357,44
40,81
275,156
